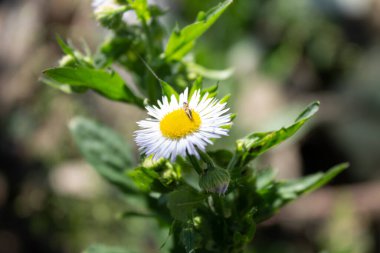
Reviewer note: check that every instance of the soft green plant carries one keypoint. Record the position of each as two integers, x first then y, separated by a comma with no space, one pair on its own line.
211,200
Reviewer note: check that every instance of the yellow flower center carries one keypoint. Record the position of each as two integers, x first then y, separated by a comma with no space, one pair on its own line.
178,124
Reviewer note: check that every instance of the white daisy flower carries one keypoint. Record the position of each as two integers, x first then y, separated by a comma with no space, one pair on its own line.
104,6
100,6
179,127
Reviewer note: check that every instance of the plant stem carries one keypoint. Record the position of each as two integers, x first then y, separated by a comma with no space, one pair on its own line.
206,158
194,161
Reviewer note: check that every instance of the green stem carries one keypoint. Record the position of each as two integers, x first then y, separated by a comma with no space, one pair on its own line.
220,206
232,164
197,167
206,158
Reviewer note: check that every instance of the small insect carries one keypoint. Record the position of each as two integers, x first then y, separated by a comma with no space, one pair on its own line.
187,110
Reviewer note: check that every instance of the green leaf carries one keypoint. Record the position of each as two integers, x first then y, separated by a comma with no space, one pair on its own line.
212,90
143,178
72,57
141,8
196,85
188,238
105,150
182,203
157,176
221,157
209,73
181,42
225,99
245,229
168,90
264,178
112,49
110,85
62,87
295,188
105,249
255,144
65,47
275,195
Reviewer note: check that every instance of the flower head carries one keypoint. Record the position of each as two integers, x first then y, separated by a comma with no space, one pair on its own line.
103,5
180,127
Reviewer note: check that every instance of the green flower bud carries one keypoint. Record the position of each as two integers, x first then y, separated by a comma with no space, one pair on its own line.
215,180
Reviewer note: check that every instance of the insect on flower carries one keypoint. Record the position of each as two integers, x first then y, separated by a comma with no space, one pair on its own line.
181,127
187,110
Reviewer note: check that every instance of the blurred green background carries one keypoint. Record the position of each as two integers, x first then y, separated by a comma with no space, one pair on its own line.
285,55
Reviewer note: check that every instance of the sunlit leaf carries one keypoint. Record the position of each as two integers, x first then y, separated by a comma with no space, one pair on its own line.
141,8
264,178
143,177
209,73
277,194
68,50
310,183
110,85
181,42
212,90
255,144
168,90
196,85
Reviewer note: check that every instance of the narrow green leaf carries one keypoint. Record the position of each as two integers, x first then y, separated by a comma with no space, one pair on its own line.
105,150
62,87
212,90
225,99
308,112
168,90
182,203
72,57
310,183
271,196
110,85
196,85
65,47
255,144
181,42
209,73
264,178
187,237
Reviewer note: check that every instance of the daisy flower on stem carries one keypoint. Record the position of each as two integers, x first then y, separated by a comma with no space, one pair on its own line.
182,127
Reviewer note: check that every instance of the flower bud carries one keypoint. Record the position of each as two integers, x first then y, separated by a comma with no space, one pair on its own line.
215,180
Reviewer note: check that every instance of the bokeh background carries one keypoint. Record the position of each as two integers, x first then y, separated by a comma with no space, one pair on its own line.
285,55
